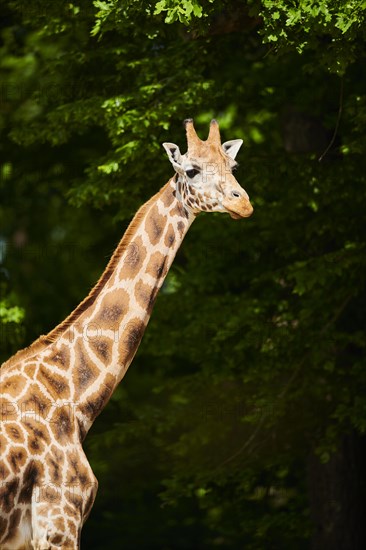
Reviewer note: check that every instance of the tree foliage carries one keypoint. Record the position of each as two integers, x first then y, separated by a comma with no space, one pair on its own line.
253,359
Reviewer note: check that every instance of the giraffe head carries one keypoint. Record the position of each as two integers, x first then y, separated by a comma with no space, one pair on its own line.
205,173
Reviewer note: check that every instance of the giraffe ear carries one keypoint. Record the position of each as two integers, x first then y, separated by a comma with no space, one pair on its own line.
174,155
232,147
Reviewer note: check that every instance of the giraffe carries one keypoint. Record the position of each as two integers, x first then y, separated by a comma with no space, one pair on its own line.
52,391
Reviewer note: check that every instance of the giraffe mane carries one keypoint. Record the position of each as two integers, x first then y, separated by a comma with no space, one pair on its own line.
48,339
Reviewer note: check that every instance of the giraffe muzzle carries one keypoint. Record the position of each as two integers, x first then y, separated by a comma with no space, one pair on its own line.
238,209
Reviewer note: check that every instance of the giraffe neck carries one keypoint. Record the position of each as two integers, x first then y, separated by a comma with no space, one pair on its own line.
95,345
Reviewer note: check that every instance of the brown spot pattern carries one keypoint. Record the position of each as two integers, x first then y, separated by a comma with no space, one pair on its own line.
14,432
54,470
85,372
32,475
4,471
36,404
112,313
3,442
154,225
112,310
71,528
167,197
130,340
58,538
179,210
50,494
8,491
69,510
13,385
17,458
180,226
101,347
135,256
145,295
56,384
59,523
35,446
55,459
77,473
68,544
156,266
62,357
169,236
36,429
97,401
82,428
61,424
30,370
8,411
75,500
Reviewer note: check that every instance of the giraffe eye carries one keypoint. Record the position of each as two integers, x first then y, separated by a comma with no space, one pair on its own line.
192,172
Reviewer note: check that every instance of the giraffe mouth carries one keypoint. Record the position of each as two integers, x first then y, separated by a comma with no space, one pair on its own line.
241,213
234,216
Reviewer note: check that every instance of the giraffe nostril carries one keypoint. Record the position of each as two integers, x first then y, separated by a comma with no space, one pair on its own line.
235,194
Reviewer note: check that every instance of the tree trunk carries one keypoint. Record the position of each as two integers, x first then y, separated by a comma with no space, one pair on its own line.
337,494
